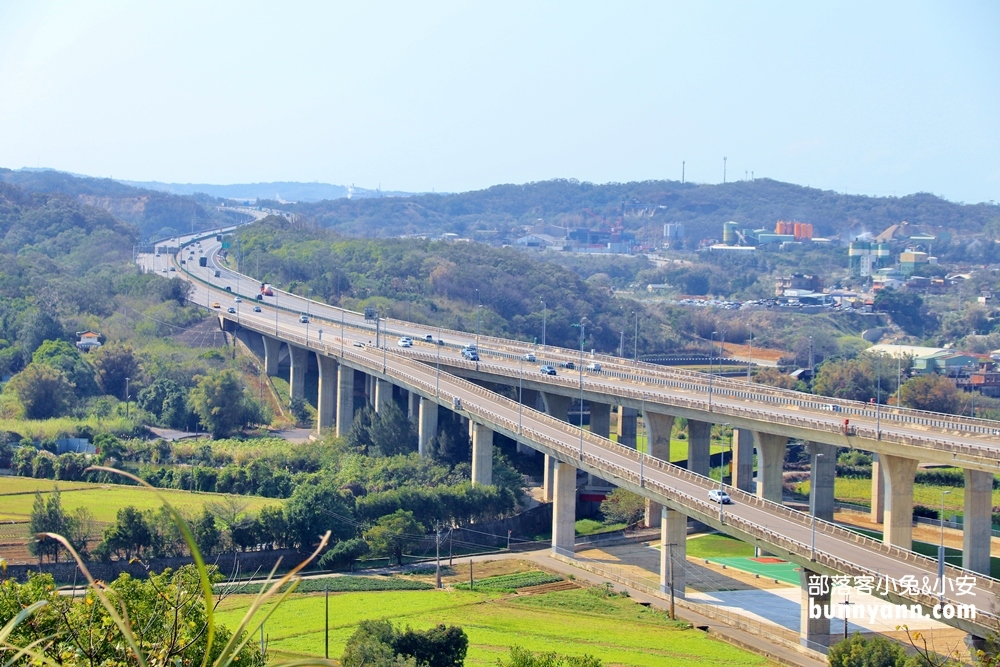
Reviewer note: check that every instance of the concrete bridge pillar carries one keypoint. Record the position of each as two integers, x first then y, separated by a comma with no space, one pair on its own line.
673,542
658,428
564,509
600,419
977,521
383,394
482,454
770,465
899,473
627,426
548,478
822,471
345,399
413,405
427,425
297,374
742,462
699,439
878,491
813,632
326,400
555,406
272,346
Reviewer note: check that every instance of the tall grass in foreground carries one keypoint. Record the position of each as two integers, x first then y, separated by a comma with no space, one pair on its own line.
132,642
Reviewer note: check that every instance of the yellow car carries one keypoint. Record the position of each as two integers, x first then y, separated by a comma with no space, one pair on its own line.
216,305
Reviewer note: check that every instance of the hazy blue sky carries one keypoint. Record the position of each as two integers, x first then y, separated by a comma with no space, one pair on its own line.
879,98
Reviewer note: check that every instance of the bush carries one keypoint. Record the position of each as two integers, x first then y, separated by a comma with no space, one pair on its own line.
858,651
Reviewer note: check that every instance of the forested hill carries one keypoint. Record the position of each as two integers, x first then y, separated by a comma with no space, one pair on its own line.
650,204
154,214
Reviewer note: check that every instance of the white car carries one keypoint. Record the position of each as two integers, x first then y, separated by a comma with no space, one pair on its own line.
405,341
303,319
239,300
596,368
529,357
717,496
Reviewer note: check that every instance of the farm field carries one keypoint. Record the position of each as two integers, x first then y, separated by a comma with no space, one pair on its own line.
17,494
571,622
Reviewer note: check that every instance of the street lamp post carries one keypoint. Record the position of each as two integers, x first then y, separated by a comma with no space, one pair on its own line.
479,310
749,355
711,361
520,391
722,473
642,452
583,329
812,539
437,368
545,313
941,547
275,313
878,401
635,351
341,333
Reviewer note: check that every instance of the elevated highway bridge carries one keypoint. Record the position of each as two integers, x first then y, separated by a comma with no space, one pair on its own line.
435,378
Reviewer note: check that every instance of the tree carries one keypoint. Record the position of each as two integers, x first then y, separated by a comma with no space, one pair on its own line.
217,400
858,651
394,533
623,506
273,525
315,508
245,533
774,378
165,611
378,643
903,307
844,379
166,400
206,533
44,392
932,392
43,466
392,432
47,516
439,646
114,363
21,461
36,328
130,536
65,357
344,554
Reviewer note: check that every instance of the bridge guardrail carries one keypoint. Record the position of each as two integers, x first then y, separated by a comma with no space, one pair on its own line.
514,349
702,404
696,505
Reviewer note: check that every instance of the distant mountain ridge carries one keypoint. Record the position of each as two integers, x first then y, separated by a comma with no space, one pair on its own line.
282,191
644,207
154,214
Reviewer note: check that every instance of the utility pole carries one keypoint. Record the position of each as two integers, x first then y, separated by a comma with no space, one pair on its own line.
326,624
682,172
724,170
437,544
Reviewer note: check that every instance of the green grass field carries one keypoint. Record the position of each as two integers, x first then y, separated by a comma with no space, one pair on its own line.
573,622
17,494
716,545
854,490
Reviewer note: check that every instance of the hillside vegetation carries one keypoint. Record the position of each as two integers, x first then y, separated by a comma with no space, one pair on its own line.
439,283
153,214
702,208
